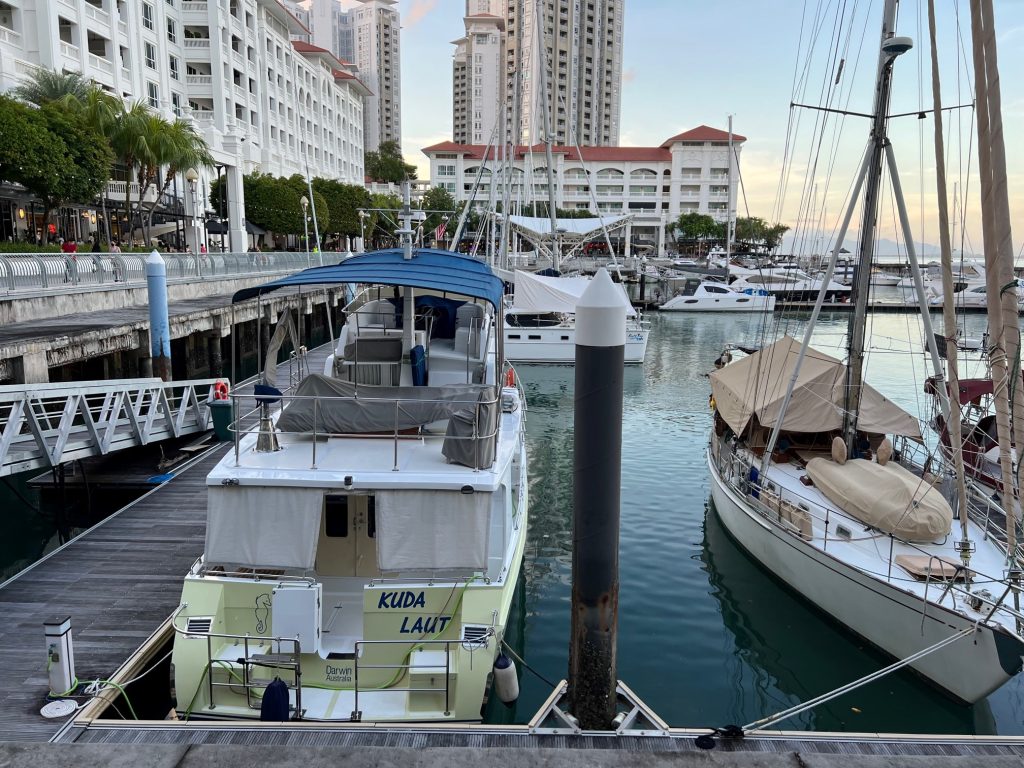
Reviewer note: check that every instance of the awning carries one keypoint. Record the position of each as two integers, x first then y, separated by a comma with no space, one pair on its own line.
568,229
220,228
537,293
756,387
428,268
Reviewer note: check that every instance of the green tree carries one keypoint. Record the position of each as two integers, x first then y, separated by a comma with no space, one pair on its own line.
381,224
697,226
343,203
53,153
387,164
319,206
440,201
755,232
45,86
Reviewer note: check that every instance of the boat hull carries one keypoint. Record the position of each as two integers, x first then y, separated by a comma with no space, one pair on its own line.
556,344
723,304
881,613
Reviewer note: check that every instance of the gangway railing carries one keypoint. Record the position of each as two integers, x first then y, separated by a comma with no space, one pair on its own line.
30,273
45,425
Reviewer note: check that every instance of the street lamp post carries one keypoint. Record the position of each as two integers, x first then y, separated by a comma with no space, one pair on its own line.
362,231
193,178
305,224
444,230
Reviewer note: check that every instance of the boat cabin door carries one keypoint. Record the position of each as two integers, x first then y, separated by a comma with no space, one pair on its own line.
348,533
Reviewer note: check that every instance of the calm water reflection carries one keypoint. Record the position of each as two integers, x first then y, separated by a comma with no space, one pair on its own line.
706,637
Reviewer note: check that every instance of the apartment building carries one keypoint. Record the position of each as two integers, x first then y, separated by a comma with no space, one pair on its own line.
376,29
688,173
262,102
583,69
478,74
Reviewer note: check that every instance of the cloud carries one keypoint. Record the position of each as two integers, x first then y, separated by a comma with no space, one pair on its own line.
419,9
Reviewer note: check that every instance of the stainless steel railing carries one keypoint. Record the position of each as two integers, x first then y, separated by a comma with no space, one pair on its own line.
56,272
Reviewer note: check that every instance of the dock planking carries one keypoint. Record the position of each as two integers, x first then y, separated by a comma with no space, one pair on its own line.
118,582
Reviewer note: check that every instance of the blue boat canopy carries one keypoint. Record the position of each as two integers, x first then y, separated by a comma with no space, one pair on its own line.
429,268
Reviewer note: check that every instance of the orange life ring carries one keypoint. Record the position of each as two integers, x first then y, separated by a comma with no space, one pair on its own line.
220,390
510,378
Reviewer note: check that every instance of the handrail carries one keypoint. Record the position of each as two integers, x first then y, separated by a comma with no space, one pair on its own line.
394,433
58,272
402,669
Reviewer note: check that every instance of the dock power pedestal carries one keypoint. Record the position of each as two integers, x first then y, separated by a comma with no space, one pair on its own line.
60,655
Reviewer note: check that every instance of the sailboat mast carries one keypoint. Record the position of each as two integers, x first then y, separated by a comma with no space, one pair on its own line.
545,104
862,283
730,214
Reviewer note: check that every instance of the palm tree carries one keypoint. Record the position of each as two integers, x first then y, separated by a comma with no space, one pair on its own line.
46,86
133,138
179,148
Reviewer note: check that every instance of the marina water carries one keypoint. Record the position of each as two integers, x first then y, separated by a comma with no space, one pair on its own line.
706,637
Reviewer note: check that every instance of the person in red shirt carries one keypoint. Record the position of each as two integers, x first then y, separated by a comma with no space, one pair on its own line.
69,246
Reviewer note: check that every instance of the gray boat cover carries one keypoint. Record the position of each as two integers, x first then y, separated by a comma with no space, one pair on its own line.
889,497
470,439
343,408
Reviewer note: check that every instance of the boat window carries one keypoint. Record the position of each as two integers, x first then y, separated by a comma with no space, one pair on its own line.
336,516
514,336
534,336
714,289
565,338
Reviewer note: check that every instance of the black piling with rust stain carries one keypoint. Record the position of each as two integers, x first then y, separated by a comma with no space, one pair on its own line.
597,471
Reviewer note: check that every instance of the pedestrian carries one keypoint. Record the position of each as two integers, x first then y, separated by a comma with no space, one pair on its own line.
114,247
68,246
96,244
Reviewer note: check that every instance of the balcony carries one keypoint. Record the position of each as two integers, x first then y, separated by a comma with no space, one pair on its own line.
116,191
195,6
101,64
69,51
98,15
10,37
199,79
197,42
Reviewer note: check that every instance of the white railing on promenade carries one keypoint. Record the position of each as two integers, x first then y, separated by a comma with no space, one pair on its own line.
56,272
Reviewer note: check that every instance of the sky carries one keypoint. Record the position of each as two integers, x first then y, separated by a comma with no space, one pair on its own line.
693,62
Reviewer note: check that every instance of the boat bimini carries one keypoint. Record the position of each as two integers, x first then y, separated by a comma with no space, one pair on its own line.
709,296
364,542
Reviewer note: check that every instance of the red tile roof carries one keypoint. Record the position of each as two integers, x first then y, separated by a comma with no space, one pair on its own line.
303,47
704,133
611,154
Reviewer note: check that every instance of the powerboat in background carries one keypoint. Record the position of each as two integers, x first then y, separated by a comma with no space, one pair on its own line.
708,296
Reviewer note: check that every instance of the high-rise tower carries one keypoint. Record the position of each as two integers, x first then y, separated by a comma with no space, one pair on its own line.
377,56
477,73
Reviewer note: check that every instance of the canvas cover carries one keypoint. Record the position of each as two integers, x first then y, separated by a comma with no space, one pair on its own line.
344,408
756,386
267,527
432,530
570,229
888,498
538,293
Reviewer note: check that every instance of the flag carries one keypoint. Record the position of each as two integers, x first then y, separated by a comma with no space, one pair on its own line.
439,232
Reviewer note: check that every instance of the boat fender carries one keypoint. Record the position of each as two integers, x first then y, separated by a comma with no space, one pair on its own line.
506,683
220,390
274,706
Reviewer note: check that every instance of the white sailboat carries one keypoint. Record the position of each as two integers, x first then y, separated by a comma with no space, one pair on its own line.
813,473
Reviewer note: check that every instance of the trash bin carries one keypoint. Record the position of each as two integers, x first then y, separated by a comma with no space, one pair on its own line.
220,412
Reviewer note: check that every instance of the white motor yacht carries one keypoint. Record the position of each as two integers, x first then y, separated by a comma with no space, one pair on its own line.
787,284
540,321
364,542
708,296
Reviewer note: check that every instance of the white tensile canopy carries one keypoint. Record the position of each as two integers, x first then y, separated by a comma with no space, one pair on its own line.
539,293
569,229
756,386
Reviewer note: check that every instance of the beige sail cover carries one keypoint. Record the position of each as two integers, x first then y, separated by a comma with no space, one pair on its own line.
756,386
888,498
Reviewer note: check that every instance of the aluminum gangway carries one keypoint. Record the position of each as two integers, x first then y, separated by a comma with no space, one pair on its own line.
45,425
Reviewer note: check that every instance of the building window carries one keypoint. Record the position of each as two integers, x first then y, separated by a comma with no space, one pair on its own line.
172,31
154,95
150,56
176,101
446,170
174,68
147,16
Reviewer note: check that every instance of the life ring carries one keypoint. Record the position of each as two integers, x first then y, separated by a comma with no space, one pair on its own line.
220,390
510,378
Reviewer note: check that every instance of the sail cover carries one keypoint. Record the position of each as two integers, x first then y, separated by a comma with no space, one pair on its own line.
756,387
538,293
887,497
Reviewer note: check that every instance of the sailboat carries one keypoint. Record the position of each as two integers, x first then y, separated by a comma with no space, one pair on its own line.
819,477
